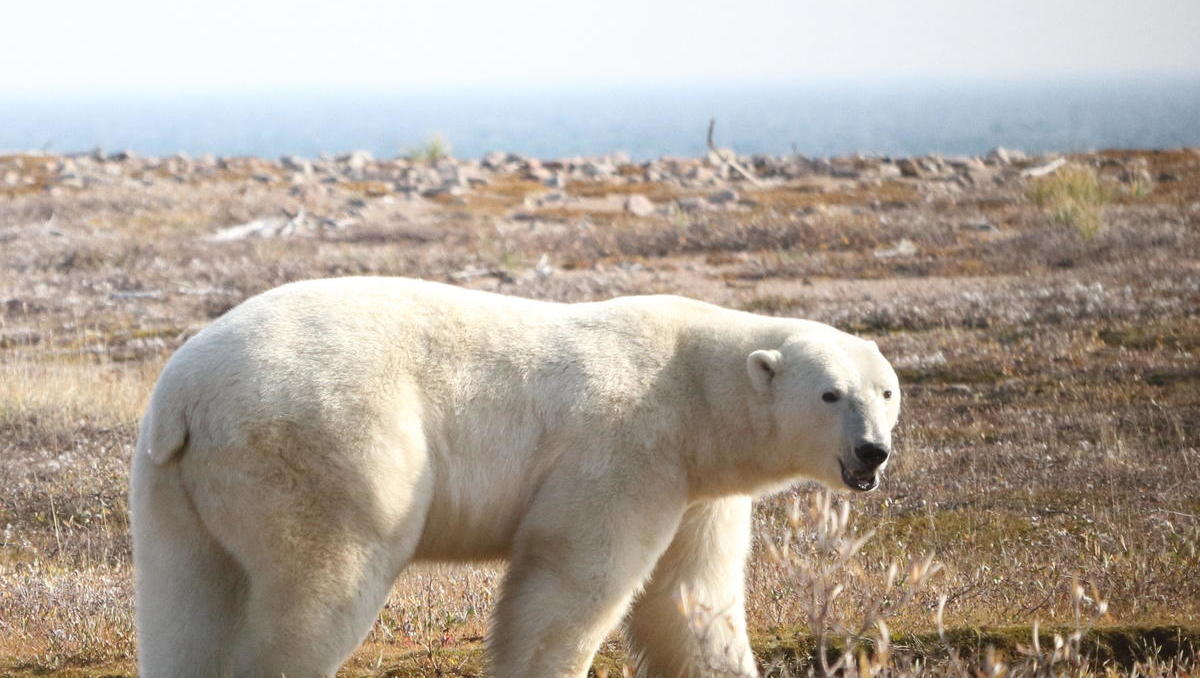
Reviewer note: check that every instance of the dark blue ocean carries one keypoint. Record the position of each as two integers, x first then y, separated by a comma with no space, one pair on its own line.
814,118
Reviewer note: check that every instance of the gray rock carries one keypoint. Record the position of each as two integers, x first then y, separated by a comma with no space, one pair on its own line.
71,180
356,161
909,168
692,204
598,170
888,171
964,162
1004,156
723,196
978,225
495,160
445,189
904,248
296,164
639,205
539,174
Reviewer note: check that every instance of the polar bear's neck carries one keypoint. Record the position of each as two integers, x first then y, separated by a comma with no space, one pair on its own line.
732,442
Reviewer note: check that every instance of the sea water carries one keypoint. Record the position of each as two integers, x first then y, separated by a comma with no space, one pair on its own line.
814,118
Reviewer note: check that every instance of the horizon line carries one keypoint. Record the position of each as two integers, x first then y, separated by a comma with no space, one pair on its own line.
1122,77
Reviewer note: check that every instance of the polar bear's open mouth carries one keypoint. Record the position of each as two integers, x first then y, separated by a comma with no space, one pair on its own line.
861,484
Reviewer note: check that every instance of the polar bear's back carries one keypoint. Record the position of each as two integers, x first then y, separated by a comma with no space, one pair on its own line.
345,350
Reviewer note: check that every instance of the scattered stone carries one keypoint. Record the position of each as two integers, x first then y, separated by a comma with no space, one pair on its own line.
909,168
691,204
495,160
904,248
888,171
296,164
71,180
356,161
723,196
963,163
1004,156
451,189
539,174
844,168
701,175
639,205
598,170
981,225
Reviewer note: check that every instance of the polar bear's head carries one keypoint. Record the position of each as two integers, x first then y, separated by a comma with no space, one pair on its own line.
832,402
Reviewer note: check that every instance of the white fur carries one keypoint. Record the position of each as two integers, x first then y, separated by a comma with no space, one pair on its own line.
305,447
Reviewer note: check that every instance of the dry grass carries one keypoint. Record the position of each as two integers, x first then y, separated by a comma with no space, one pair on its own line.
1073,197
1048,438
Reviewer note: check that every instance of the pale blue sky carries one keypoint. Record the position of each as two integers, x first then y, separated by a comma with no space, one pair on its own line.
84,45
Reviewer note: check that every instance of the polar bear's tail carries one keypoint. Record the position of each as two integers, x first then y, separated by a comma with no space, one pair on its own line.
164,428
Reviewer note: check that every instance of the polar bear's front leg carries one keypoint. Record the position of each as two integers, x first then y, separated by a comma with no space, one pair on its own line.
578,558
705,564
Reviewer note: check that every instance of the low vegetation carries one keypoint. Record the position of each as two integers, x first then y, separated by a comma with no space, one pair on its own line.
1044,501
434,149
1074,197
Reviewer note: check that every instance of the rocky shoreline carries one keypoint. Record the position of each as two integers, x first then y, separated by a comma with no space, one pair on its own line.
330,192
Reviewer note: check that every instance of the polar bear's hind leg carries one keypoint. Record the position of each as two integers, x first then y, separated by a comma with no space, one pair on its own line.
189,589
322,550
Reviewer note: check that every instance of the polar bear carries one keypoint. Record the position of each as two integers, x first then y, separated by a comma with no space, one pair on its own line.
301,450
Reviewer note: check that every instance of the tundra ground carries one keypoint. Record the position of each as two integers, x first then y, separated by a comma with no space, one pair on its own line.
1046,330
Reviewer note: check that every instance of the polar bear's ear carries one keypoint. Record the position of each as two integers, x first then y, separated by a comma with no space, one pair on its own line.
762,366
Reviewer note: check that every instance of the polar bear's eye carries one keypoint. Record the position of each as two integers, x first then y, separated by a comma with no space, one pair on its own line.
887,395
829,397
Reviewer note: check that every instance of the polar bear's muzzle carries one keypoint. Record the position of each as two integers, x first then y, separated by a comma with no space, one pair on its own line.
861,481
863,473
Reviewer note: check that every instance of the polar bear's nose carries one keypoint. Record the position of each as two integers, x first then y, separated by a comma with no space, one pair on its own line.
871,453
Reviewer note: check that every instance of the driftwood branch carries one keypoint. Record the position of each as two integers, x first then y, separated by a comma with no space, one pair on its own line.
728,157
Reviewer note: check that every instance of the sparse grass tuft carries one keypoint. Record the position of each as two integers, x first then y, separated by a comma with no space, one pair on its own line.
434,149
1073,197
